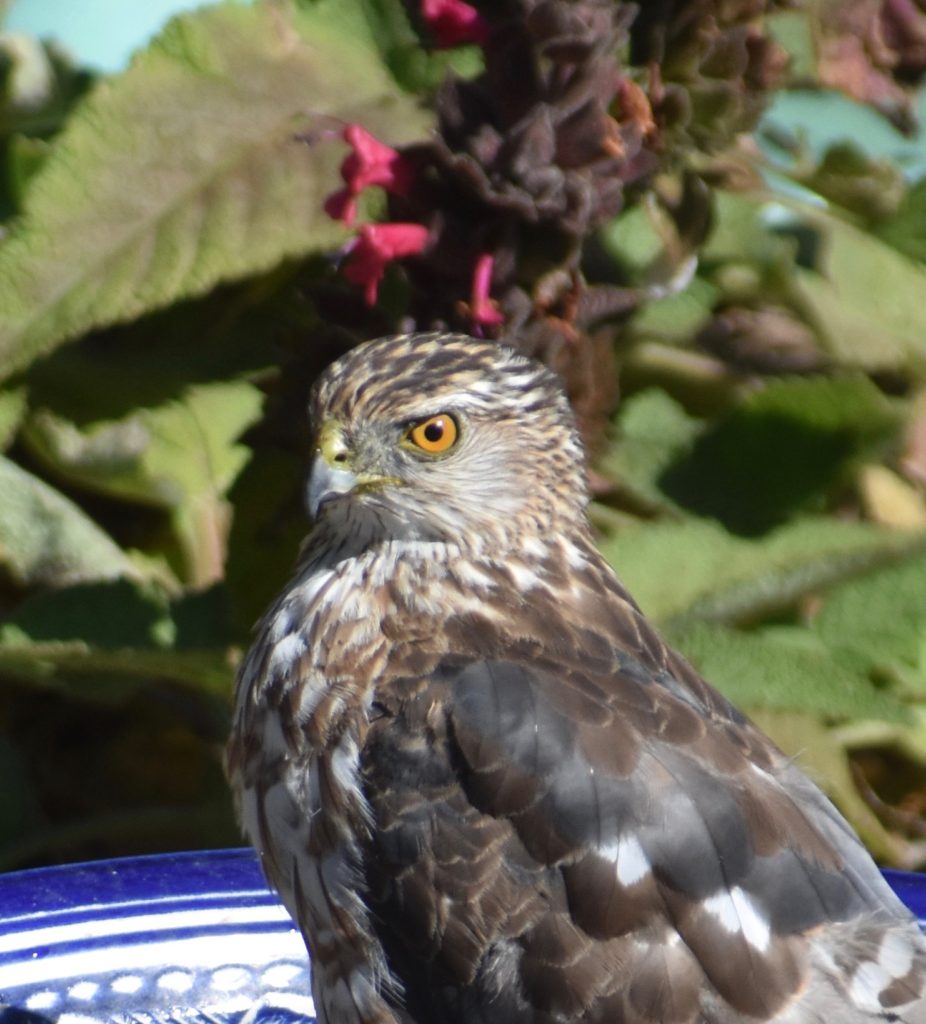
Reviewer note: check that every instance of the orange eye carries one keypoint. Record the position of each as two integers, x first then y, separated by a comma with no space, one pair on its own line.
435,435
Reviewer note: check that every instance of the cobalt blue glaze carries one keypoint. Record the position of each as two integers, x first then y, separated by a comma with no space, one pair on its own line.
196,938
911,888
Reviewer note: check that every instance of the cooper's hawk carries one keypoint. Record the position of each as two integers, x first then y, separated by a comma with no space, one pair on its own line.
486,790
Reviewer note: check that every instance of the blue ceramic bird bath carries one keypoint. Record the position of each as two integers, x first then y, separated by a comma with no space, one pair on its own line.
195,937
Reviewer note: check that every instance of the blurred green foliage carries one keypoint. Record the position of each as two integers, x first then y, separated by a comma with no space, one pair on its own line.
760,488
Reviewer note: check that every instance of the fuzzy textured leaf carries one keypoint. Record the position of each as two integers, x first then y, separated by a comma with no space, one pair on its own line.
653,432
780,451
160,456
12,410
880,620
773,669
906,230
181,456
865,299
696,570
186,170
46,539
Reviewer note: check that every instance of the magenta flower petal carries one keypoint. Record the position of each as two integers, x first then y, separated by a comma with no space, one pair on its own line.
483,309
342,205
371,162
376,246
454,22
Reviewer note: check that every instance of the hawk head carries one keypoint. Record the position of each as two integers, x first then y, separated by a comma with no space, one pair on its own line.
436,437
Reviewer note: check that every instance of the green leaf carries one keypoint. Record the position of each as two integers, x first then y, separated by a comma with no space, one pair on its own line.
12,409
824,117
182,456
237,331
38,88
45,539
102,639
782,670
793,31
864,298
743,231
384,26
879,621
906,230
780,450
185,171
270,524
695,570
106,615
632,238
677,317
869,187
24,158
160,456
112,675
654,432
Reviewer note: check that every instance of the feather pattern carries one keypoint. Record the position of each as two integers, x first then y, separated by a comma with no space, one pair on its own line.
489,793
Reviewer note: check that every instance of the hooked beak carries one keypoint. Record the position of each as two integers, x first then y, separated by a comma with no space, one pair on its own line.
326,482
331,475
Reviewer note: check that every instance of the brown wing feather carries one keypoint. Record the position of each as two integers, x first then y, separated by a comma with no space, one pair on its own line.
561,838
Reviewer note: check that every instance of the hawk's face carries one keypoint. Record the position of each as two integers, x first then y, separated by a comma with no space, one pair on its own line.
452,447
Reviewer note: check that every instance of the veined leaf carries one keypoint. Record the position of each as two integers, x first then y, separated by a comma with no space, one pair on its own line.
780,450
691,570
653,431
46,539
186,170
865,298
880,620
111,635
774,669
906,230
12,410
158,456
181,456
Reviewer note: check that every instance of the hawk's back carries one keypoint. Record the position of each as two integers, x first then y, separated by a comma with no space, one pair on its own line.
535,812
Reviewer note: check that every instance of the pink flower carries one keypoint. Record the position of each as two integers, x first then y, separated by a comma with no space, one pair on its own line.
454,22
375,246
483,309
371,163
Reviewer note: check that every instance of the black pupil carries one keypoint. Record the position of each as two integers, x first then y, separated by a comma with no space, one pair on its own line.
434,431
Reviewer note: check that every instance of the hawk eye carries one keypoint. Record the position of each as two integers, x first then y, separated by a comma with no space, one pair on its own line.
435,435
